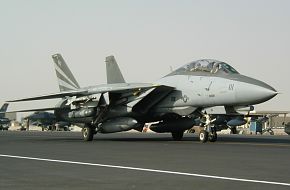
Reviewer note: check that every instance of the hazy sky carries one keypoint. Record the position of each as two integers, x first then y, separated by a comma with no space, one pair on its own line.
146,37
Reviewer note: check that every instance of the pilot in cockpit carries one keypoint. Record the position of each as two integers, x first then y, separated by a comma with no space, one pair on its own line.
216,67
196,67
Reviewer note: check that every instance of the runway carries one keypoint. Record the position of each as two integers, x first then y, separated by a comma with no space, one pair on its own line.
61,160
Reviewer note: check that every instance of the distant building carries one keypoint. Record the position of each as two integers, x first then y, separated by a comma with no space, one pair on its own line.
276,119
279,121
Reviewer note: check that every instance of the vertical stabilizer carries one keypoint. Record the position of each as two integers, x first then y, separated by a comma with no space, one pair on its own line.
3,109
66,80
114,74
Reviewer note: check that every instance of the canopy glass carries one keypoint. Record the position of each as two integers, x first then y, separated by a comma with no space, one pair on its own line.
209,66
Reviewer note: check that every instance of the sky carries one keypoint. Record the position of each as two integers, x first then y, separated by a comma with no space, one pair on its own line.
146,37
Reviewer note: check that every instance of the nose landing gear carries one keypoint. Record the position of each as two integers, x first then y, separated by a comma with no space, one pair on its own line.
209,131
208,135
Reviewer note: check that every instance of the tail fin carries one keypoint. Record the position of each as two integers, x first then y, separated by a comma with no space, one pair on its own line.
66,80
114,74
3,109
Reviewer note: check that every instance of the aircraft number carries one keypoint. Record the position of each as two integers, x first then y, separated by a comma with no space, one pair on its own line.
185,98
231,87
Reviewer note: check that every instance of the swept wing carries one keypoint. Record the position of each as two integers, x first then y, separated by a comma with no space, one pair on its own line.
116,88
35,110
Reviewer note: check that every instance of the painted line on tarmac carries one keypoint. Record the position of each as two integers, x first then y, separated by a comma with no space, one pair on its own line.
147,170
256,144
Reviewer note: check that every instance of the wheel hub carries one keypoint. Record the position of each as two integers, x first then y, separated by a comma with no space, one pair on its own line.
85,132
201,136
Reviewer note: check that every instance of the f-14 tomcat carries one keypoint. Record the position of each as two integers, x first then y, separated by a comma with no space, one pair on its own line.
175,102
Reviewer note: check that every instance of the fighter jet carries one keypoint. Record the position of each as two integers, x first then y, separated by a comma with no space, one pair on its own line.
47,121
176,102
4,122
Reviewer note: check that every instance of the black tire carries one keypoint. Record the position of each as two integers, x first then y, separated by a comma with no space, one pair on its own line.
203,136
212,137
177,135
233,130
88,133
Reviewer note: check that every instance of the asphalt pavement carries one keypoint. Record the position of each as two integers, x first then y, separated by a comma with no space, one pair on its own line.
62,160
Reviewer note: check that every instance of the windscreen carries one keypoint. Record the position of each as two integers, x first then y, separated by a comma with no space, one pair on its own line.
209,66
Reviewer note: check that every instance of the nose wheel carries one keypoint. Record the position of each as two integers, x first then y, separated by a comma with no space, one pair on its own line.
203,136
212,136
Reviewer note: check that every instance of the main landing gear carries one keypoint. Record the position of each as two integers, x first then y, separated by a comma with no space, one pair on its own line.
88,132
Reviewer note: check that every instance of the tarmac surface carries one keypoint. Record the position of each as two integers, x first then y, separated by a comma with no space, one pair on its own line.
62,160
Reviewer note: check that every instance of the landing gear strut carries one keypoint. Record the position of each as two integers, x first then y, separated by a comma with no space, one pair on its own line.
88,132
233,130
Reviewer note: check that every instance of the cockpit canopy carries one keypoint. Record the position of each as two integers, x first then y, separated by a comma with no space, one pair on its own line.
208,66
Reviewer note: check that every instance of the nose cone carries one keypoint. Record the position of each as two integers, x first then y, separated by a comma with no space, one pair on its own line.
252,91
